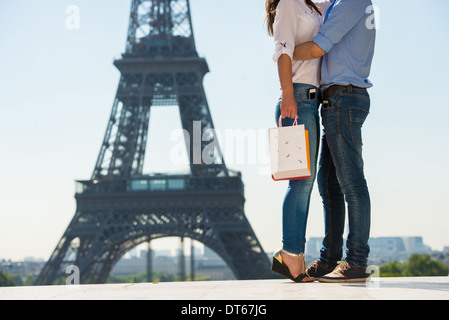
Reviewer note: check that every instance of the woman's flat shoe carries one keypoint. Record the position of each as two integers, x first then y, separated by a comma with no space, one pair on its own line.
279,266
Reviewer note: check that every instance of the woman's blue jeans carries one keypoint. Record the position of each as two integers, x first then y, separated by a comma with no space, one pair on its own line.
295,209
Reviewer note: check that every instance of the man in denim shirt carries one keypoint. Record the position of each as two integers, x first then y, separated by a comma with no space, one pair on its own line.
346,43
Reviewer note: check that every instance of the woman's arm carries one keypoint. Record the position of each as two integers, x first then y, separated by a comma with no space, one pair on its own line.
285,27
308,51
289,107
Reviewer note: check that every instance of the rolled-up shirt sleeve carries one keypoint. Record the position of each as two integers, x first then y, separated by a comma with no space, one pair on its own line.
285,26
344,16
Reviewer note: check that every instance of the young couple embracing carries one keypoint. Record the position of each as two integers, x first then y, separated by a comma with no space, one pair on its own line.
324,52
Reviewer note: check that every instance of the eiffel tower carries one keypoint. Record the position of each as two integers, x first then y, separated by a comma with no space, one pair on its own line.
120,207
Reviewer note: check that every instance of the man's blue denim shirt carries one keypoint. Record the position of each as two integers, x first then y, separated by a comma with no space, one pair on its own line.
348,37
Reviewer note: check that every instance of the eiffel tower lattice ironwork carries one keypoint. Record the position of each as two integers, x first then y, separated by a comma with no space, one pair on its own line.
120,207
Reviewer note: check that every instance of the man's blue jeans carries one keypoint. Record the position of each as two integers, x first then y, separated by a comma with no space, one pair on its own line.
341,176
295,209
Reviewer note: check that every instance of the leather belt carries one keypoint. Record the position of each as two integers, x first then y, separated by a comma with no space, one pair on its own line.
329,92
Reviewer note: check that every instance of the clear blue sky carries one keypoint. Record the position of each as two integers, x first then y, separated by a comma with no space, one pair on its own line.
57,88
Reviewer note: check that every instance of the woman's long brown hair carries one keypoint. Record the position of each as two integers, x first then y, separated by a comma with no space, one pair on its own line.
270,11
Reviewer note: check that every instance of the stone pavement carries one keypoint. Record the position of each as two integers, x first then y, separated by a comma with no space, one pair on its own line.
417,288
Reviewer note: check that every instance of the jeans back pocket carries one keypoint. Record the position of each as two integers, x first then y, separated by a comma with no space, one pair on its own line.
357,117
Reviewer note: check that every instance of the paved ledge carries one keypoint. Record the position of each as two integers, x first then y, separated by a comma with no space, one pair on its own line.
420,288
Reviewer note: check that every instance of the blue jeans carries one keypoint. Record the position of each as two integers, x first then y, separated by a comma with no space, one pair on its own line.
341,177
295,209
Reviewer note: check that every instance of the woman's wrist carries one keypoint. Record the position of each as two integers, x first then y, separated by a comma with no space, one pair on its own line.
287,92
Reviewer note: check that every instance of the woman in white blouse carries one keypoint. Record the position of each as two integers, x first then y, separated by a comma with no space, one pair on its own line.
292,22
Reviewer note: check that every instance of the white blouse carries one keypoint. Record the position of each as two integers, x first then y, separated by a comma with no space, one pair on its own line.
296,23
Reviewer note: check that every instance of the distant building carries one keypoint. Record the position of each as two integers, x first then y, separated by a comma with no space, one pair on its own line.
313,247
135,265
208,264
210,254
22,268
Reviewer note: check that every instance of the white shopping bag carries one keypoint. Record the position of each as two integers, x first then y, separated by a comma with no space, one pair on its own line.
289,152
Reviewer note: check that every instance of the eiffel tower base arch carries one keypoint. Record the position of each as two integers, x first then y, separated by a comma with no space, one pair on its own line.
107,225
